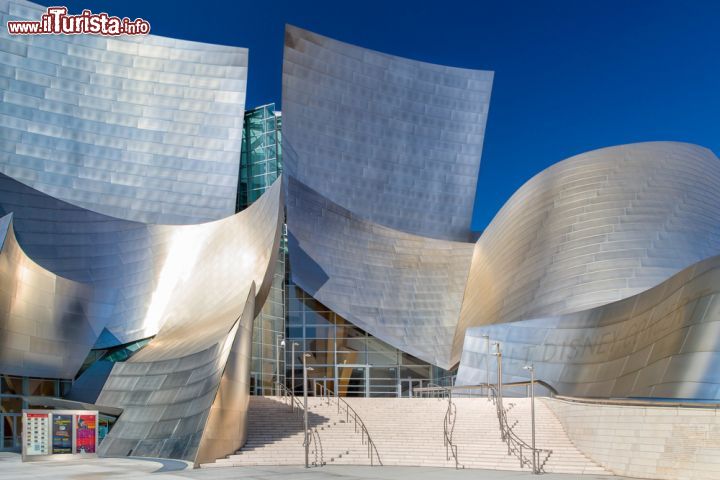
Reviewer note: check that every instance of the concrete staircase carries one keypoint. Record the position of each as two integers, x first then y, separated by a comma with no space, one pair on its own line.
406,431
275,436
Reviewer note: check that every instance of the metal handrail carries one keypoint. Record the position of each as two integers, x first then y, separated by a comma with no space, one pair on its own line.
515,444
448,423
317,443
358,421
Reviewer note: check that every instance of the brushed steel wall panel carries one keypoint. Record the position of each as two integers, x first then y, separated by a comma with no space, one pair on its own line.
663,342
395,141
46,329
404,289
133,268
594,229
180,397
140,128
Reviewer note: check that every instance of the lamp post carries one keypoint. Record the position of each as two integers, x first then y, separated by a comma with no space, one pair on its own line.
498,354
292,372
487,364
305,412
278,343
531,367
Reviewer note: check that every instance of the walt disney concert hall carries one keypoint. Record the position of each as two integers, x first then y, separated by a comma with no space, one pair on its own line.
168,253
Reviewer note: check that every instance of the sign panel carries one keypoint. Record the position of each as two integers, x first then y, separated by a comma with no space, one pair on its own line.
65,433
85,433
37,434
62,433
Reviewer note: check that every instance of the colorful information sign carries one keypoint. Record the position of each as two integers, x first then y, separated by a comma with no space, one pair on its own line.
85,432
62,433
37,433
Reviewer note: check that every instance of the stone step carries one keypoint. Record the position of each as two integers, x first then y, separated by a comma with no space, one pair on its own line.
405,432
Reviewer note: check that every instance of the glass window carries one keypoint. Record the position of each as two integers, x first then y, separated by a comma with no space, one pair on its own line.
11,385
11,404
43,388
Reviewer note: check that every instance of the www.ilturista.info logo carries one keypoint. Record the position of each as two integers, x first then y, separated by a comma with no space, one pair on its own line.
56,21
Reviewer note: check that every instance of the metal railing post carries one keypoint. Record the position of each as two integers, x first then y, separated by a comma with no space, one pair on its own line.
305,412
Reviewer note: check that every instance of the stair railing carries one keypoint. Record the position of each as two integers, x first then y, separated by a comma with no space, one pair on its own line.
314,435
449,422
372,450
516,446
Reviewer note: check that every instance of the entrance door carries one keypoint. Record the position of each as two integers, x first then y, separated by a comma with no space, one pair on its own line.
407,385
10,431
353,380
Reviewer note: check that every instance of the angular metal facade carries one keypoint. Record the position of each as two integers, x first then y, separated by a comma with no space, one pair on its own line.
593,229
393,140
663,342
140,128
381,158
172,388
402,288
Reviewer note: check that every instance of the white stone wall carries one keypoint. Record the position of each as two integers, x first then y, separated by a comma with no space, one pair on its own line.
645,442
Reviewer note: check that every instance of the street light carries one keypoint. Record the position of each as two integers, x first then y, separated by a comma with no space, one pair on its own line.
305,411
498,354
487,364
278,343
531,367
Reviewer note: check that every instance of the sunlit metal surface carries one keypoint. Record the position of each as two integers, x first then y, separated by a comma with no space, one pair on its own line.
404,289
142,128
185,394
45,326
132,267
395,141
664,342
593,229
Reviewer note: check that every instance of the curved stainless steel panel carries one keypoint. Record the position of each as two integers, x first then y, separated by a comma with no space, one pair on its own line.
395,141
404,289
593,229
131,266
664,342
45,327
180,397
141,128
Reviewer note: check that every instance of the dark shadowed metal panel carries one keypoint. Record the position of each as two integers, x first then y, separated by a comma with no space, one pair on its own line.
45,326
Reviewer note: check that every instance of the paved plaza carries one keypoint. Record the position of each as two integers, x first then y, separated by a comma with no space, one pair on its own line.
11,467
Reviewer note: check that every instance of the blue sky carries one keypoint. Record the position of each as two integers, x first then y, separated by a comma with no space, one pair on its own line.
570,76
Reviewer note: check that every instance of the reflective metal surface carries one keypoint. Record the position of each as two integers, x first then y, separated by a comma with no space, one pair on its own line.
45,326
131,266
142,128
185,394
593,229
404,289
393,140
664,342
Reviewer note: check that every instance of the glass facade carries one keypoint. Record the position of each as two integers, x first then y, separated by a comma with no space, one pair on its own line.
260,166
261,157
346,359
